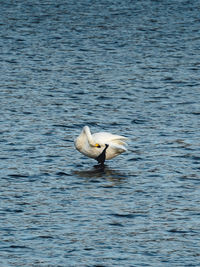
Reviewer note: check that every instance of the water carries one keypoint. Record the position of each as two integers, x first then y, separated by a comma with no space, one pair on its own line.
127,67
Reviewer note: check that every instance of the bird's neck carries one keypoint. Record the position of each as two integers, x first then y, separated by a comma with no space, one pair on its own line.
87,132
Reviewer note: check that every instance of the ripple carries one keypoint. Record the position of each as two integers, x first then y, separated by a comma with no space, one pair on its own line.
128,216
62,174
116,224
18,176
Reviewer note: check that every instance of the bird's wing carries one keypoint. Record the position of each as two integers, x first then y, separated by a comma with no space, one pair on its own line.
114,150
104,137
118,147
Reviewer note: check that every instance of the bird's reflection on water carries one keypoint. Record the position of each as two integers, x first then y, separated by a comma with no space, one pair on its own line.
102,172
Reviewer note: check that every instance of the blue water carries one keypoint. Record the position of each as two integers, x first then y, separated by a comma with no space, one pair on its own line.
126,67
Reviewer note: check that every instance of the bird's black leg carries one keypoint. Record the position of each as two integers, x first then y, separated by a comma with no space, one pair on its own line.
102,157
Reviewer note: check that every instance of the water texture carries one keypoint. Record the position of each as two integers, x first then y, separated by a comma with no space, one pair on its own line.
127,67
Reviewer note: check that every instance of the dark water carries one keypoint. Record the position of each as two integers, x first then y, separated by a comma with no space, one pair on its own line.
127,67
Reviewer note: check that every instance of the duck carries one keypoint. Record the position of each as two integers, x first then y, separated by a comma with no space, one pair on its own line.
100,146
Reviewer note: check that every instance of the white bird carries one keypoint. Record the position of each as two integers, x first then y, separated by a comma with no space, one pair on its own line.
100,146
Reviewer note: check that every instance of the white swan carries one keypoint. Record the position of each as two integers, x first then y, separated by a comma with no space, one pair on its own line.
100,146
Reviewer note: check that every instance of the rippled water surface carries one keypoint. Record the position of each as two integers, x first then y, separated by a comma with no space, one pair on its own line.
126,67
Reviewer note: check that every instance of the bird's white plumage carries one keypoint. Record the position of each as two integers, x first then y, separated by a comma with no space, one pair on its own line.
87,143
